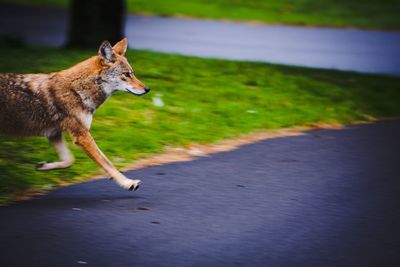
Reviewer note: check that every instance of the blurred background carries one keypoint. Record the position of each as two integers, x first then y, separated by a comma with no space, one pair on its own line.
218,69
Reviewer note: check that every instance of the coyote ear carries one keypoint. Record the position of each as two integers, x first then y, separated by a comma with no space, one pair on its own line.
120,47
106,52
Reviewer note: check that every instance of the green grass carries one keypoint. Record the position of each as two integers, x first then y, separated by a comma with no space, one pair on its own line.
205,100
372,14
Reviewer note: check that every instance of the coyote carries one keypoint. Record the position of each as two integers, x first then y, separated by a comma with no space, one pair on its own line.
49,104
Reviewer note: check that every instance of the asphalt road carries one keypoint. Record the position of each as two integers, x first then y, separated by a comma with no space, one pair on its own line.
327,198
343,49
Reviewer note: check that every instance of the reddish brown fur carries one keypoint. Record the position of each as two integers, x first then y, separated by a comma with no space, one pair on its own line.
48,104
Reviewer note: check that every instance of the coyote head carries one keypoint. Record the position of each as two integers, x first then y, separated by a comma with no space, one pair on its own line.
117,74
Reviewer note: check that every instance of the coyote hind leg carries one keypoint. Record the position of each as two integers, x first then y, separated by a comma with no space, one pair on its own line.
66,158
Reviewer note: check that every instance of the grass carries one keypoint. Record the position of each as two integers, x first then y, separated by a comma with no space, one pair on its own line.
371,14
205,100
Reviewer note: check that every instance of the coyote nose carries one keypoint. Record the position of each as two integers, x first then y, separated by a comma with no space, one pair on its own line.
147,89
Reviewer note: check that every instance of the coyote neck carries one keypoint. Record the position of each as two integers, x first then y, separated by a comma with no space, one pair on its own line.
84,81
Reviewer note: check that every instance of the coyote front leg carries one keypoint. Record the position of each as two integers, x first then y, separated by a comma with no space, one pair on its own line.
86,141
66,158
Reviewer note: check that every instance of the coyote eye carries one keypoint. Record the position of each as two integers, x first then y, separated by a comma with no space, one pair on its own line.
127,74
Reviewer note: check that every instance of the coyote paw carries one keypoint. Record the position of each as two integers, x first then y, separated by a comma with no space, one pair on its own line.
46,166
131,185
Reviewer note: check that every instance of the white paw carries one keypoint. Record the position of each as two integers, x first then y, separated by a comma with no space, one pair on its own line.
131,185
46,166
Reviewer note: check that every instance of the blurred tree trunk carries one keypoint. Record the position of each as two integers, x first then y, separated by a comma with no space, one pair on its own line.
93,21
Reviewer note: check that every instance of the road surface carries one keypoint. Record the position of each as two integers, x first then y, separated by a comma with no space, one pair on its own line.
343,49
327,198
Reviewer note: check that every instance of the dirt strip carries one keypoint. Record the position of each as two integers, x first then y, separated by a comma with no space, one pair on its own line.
179,154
